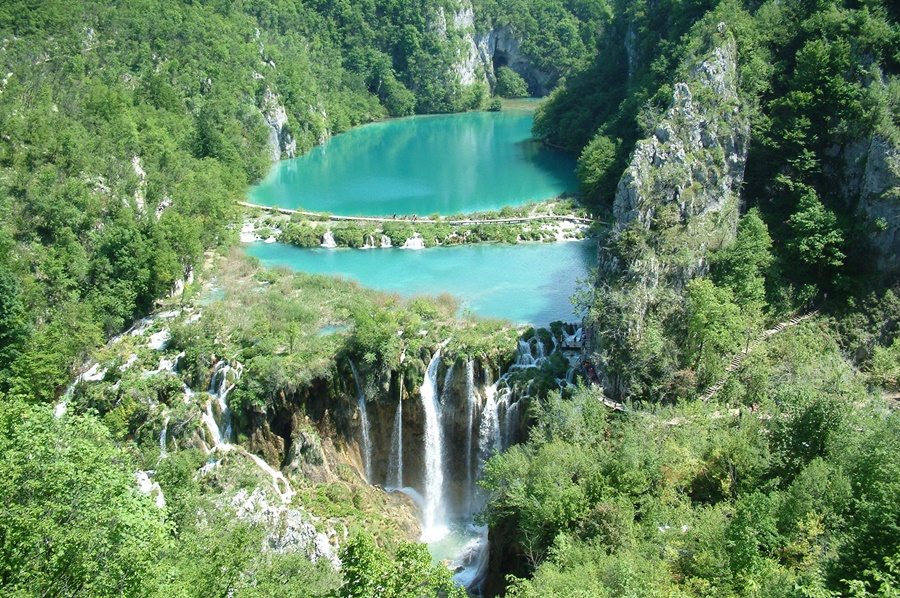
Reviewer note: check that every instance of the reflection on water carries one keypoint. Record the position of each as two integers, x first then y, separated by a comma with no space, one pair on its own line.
423,165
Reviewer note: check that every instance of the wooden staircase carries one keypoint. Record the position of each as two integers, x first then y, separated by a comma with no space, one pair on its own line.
739,357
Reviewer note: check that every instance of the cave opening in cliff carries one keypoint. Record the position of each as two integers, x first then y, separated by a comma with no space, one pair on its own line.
282,426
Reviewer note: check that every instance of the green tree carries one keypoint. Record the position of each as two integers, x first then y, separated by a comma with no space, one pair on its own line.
715,328
742,266
510,84
72,523
817,241
369,571
599,168
13,330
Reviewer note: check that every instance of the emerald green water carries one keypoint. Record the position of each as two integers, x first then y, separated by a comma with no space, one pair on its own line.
423,165
528,283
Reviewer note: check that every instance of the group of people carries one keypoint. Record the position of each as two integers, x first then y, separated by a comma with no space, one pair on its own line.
590,372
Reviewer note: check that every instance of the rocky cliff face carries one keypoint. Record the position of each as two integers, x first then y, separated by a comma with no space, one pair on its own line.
281,142
872,184
677,199
485,51
314,431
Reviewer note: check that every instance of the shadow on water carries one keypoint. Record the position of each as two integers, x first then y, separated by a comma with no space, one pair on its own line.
555,163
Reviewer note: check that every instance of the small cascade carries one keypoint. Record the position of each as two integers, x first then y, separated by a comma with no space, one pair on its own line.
433,524
363,424
248,233
511,421
414,242
385,241
219,387
220,384
162,438
524,358
92,375
395,461
328,240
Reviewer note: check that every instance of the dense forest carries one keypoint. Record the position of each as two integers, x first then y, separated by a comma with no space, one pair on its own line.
129,129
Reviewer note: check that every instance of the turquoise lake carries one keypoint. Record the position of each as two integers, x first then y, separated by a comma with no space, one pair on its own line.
447,164
528,283
423,165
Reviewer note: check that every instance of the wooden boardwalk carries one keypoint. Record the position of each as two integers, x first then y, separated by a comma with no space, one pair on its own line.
463,222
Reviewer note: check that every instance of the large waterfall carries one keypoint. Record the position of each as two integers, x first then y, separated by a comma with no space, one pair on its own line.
433,524
395,461
434,448
470,413
363,424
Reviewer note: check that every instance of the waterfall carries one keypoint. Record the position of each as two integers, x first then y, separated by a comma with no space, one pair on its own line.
162,438
385,241
433,525
209,419
414,242
470,408
219,388
395,462
489,431
525,358
511,421
328,240
363,424
220,392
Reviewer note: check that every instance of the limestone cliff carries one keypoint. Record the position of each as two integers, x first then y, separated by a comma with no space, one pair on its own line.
281,142
677,199
872,184
485,51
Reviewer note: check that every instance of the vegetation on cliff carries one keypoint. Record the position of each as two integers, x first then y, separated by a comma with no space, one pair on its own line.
777,482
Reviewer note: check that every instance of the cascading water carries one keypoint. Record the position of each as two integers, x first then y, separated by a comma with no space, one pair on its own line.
494,435
328,240
470,412
395,462
510,421
162,438
489,431
478,424
434,526
363,424
219,388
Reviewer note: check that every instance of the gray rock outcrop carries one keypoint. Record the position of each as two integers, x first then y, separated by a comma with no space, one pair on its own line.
879,203
677,199
485,51
281,143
